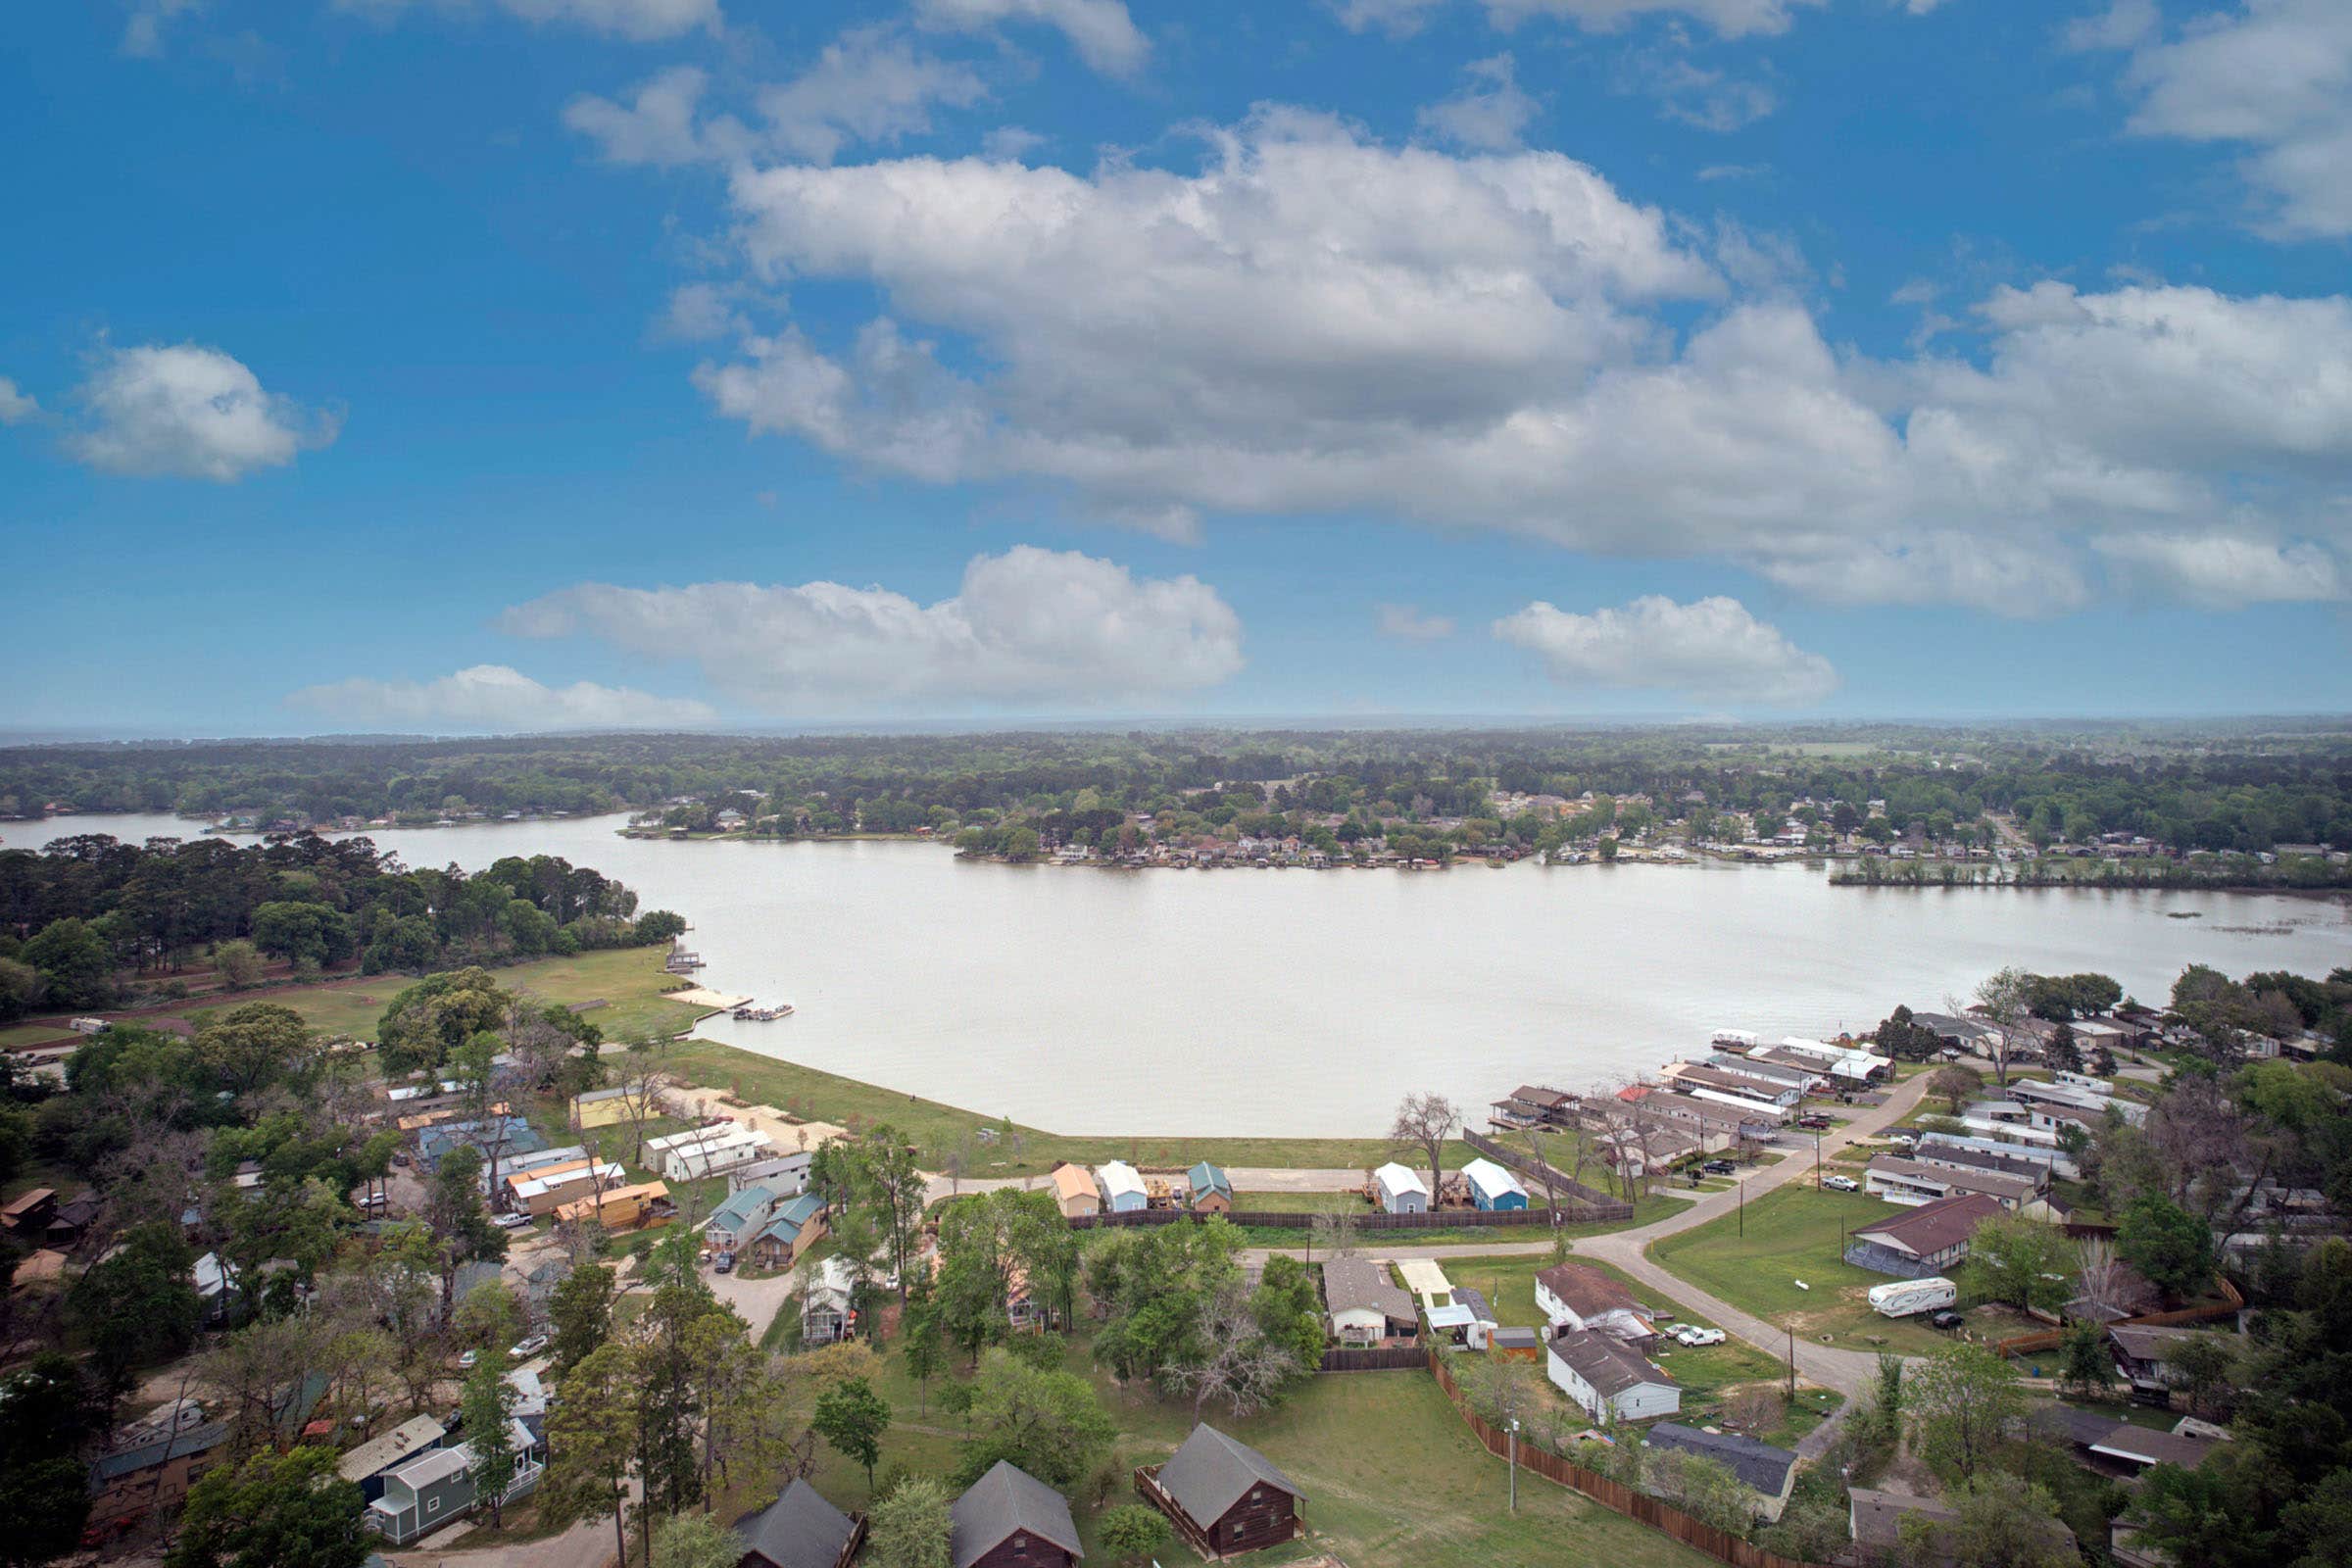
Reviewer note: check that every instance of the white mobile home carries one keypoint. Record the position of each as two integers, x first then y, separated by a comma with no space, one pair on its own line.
714,1156
1601,1373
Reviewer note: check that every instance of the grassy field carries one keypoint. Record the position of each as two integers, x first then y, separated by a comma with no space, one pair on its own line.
629,979
17,1036
1791,1234
1392,1475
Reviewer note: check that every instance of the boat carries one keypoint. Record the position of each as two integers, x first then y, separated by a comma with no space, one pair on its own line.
752,1012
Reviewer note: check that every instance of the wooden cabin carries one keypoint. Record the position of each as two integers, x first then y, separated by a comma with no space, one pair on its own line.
1010,1519
1223,1496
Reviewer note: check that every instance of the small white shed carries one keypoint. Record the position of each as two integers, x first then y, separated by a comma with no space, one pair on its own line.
1123,1189
1401,1191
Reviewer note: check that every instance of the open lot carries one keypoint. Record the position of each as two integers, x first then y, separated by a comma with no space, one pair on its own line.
1796,1233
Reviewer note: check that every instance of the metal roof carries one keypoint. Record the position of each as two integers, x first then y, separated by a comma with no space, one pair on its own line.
412,1436
1491,1179
1007,1501
1212,1472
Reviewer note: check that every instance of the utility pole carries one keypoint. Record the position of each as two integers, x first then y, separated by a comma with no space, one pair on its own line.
1744,1205
1514,1464
1792,1359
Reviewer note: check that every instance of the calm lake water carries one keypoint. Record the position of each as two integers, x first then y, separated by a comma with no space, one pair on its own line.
1306,1003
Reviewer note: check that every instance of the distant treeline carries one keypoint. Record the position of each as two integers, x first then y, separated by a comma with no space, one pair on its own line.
2236,788
77,913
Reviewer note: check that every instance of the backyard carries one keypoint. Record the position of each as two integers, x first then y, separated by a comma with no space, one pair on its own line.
1791,1235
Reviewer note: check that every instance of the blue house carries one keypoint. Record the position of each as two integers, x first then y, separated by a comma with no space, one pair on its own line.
1492,1186
792,1230
740,1218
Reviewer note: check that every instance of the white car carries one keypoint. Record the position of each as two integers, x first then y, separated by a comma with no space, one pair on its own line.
1841,1184
511,1222
530,1348
1692,1335
470,1358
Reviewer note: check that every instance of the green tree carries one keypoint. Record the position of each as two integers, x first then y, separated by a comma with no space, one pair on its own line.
136,1305
922,1350
251,1047
909,1528
1132,1532
302,932
1955,1085
592,1444
2085,1368
71,959
487,1408
579,1312
2023,1262
852,1417
44,1487
2171,1248
1051,1424
276,1511
238,964
2002,1521
696,1541
1962,1401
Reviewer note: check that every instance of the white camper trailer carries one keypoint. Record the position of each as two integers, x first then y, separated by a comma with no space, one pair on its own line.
1910,1297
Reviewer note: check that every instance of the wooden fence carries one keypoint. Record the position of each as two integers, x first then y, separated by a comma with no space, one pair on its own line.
1588,1203
1368,1220
2229,1305
1721,1544
1398,1359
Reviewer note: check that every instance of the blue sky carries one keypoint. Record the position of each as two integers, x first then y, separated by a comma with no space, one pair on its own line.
495,365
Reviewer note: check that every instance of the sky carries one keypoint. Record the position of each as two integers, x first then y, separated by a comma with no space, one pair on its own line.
488,366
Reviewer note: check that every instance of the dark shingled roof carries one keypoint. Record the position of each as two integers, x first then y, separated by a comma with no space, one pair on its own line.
1931,1228
1607,1362
178,1445
1212,1472
1758,1464
799,1530
1353,1284
1007,1501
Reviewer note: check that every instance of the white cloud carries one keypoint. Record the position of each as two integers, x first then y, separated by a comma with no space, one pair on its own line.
16,407
1711,100
656,126
1398,19
1315,324
868,85
1490,112
143,31
188,411
2226,571
1407,624
1100,31
1715,172
639,20
493,697
1734,18
1009,143
1708,651
1029,626
2274,75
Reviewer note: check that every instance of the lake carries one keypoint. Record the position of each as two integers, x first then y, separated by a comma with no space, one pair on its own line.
1101,1002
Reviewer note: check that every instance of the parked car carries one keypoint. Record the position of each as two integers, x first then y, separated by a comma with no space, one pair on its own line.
1947,1319
725,1263
1719,1167
511,1222
1902,1140
1692,1335
526,1349
470,1358
1841,1184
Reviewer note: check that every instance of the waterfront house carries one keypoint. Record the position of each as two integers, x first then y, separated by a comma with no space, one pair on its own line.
1401,1191
1364,1305
1919,1242
825,1304
1912,1182
1010,1519
1533,1106
1767,1471
1223,1494
799,1530
436,1489
1074,1191
1123,1189
1578,1296
1608,1378
1698,1078
740,1218
1492,1186
1208,1192
1764,1071
791,1230
365,1465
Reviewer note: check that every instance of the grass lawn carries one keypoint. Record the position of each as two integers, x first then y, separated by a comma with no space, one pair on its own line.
628,979
1300,1203
1392,1475
1795,1233
17,1036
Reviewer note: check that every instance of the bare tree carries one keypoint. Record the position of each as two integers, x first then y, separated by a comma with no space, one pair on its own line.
1955,1085
638,1090
1541,1169
1427,1120
1240,1364
2005,997
1501,1388
2101,1275
2196,1132
1336,1233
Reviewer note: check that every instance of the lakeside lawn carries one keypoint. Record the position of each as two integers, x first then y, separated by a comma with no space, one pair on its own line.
629,980
1393,1477
1796,1233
